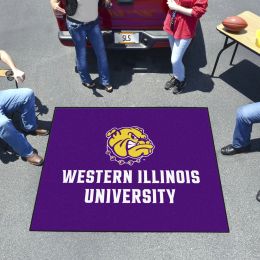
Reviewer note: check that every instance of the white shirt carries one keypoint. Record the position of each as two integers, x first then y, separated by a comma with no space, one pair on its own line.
87,11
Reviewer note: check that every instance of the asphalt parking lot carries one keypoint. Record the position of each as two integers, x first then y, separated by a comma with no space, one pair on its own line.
28,31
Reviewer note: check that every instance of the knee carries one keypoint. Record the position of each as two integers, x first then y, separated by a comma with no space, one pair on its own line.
27,94
175,60
243,115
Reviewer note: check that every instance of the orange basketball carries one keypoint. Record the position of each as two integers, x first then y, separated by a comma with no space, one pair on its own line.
234,23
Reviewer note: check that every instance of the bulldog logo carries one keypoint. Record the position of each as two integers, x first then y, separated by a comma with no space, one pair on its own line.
128,145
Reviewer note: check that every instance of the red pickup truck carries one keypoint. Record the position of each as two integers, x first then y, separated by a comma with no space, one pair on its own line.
133,24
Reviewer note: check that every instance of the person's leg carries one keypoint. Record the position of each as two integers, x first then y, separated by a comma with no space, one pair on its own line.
78,33
20,101
170,83
27,111
14,138
96,38
246,116
178,50
178,47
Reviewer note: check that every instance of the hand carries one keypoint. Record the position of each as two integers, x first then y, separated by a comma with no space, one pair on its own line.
57,9
108,3
18,75
172,5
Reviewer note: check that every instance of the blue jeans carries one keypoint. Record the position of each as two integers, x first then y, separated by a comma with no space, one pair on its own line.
17,101
246,116
179,47
80,33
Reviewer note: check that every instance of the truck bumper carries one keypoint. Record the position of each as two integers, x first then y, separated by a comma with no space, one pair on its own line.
148,40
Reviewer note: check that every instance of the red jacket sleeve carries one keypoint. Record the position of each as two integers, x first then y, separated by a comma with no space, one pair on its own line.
199,8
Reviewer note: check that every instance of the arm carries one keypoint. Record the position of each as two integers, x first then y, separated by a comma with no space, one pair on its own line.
199,8
180,9
106,3
55,5
19,75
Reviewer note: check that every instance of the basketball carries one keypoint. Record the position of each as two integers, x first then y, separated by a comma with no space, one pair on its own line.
234,23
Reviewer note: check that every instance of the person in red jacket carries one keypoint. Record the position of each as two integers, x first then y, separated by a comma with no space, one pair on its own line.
180,24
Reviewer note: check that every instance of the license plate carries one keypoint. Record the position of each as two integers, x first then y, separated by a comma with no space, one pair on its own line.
126,38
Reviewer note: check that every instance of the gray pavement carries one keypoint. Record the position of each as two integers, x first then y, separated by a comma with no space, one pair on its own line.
28,31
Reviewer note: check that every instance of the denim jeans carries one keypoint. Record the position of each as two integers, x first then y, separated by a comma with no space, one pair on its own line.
179,47
246,116
80,33
17,101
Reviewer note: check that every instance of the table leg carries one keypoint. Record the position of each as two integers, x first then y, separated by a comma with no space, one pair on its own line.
234,53
226,45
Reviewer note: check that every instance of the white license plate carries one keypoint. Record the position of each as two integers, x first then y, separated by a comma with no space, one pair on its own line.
126,37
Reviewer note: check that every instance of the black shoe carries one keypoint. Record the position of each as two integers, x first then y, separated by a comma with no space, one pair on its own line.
34,159
89,85
170,84
40,132
178,86
230,150
108,88
258,196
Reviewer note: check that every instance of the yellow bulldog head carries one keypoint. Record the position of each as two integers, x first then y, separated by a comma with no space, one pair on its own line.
129,142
